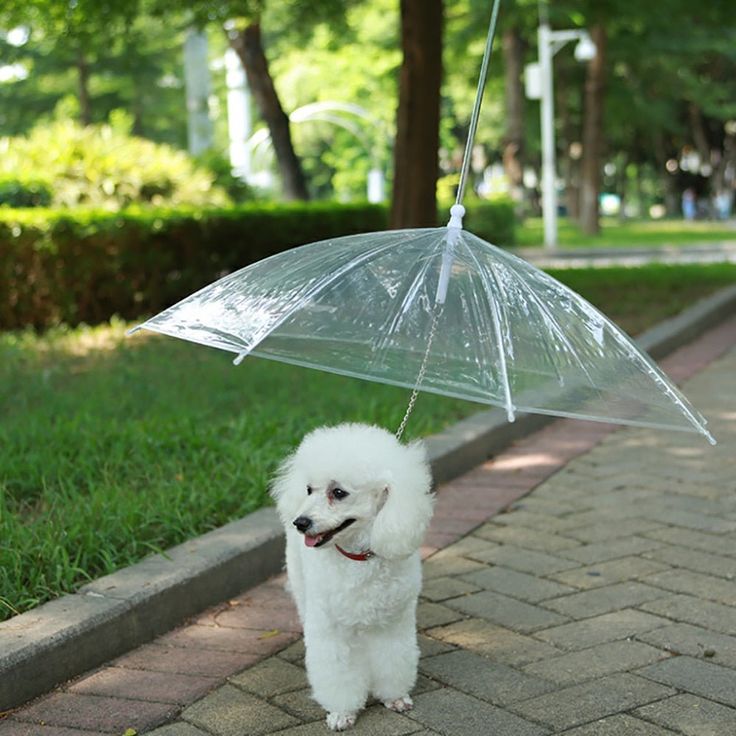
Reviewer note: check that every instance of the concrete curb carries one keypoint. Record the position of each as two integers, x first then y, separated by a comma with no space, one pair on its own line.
119,612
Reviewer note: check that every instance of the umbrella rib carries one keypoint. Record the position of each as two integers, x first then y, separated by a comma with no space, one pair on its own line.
407,294
558,332
323,283
510,409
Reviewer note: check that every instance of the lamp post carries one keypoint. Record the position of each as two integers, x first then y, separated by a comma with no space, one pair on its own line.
539,85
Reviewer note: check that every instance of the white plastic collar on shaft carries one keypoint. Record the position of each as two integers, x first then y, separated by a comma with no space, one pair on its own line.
457,212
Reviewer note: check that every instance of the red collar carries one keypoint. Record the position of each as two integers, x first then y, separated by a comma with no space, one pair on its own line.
360,556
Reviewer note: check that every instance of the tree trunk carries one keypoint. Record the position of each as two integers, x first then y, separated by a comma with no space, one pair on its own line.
593,135
513,143
249,48
418,116
700,136
85,104
569,147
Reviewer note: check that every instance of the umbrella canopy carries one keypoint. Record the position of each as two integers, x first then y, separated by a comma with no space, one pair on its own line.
502,332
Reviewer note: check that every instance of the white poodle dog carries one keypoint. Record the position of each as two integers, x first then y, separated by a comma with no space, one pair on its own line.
356,503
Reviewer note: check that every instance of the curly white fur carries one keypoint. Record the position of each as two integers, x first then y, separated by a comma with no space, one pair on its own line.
359,617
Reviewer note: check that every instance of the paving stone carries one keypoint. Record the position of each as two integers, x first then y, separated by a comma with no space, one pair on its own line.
299,703
443,566
531,520
598,661
435,614
693,560
589,554
606,530
93,712
540,504
429,647
465,547
248,641
284,618
691,519
696,584
602,513
692,610
228,711
715,544
179,728
606,573
579,704
516,584
603,600
509,612
294,653
271,677
599,629
525,560
619,725
695,641
691,715
161,687
527,538
374,721
15,728
453,713
190,661
695,676
484,678
503,645
440,589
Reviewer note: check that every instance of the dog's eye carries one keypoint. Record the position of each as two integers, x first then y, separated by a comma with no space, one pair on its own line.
309,490
339,494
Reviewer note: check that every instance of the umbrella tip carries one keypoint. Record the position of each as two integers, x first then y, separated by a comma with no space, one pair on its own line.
133,330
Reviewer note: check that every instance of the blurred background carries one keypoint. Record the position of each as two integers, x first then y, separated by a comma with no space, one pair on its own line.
218,102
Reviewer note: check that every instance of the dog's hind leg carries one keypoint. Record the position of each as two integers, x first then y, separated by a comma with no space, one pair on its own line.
394,658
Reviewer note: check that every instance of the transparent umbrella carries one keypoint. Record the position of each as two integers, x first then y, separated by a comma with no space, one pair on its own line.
471,320
439,310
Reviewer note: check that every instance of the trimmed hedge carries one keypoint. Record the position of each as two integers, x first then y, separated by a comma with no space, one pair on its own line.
18,192
77,266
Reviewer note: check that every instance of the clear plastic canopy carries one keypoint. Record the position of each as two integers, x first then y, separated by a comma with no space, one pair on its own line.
507,335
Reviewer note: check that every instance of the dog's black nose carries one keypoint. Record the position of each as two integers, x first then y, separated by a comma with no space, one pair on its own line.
303,523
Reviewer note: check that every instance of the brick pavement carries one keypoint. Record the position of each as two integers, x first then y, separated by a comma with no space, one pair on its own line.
601,603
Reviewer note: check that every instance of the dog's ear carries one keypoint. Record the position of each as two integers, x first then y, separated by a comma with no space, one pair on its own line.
286,489
400,525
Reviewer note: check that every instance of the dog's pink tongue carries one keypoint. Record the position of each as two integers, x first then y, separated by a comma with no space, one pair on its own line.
311,541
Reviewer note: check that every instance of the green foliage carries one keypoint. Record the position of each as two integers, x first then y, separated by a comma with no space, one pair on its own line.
103,166
493,220
72,266
219,165
17,192
85,266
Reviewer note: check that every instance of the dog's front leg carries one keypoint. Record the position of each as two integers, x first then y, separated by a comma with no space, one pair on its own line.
336,673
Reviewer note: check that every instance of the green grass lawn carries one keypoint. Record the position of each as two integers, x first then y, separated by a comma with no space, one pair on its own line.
614,233
113,447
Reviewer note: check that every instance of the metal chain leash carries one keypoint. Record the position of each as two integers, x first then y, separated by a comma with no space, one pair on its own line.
420,375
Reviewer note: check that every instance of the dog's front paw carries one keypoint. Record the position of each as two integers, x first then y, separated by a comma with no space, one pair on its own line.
400,705
340,721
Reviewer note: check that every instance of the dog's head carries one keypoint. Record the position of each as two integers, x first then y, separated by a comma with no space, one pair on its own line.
356,481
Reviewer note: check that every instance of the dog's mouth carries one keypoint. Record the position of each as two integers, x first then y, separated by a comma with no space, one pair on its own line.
317,540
